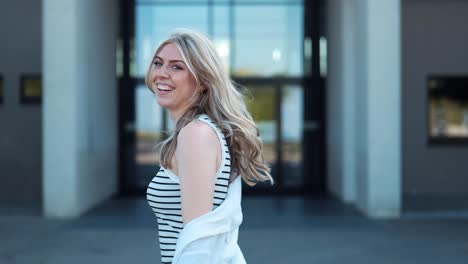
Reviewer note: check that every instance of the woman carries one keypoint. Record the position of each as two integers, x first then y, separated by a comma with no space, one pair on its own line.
196,193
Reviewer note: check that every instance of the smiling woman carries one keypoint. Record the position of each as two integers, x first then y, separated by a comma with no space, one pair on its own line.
197,192
171,80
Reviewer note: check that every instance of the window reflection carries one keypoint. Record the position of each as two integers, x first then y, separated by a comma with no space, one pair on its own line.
448,118
262,38
267,40
323,57
448,107
262,107
221,34
148,127
154,23
291,132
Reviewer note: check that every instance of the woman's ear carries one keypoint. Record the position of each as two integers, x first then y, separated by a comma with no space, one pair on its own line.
202,89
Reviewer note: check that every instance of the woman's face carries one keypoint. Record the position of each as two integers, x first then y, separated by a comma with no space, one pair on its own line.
172,81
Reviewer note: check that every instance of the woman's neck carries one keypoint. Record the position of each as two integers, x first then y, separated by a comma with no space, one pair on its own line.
175,116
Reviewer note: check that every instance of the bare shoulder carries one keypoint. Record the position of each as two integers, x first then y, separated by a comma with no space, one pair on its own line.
197,132
198,150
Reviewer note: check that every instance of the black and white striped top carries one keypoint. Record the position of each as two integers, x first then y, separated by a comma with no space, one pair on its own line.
163,195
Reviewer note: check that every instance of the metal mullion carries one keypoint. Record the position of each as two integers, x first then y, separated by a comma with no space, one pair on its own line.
210,19
279,139
164,123
232,37
243,81
250,3
127,34
126,92
171,3
315,34
268,80
249,80
244,3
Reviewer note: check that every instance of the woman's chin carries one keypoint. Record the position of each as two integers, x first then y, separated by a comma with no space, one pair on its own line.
163,103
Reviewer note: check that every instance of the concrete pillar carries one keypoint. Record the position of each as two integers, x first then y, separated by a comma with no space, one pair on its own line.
364,105
379,107
341,88
79,106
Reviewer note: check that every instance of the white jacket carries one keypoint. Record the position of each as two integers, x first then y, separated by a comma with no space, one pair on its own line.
212,237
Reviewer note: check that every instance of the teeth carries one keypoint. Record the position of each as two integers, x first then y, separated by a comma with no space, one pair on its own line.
164,87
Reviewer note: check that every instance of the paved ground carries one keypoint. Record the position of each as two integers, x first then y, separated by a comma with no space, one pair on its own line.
275,230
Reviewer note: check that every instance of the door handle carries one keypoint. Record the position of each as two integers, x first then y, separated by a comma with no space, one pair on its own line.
129,127
311,125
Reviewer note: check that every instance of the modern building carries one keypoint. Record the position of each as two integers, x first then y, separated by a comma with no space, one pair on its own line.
364,100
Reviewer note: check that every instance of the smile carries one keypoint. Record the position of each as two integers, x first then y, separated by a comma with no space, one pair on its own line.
164,87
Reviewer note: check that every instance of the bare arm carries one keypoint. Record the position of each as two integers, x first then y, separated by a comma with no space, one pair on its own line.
196,157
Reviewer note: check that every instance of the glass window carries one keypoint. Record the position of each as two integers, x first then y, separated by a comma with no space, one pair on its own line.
292,97
267,37
268,1
259,38
221,34
323,57
262,107
154,23
148,126
448,107
268,40
323,39
174,2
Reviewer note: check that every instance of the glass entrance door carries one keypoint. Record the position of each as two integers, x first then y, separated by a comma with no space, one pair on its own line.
262,46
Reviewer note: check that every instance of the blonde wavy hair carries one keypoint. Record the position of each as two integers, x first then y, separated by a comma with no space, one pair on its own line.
221,101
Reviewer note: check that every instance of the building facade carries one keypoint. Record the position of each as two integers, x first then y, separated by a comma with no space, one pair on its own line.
341,92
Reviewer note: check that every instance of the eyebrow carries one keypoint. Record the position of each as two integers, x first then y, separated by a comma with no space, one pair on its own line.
157,57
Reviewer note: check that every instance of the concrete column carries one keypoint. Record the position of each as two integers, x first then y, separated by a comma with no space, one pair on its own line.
378,71
341,88
80,105
364,101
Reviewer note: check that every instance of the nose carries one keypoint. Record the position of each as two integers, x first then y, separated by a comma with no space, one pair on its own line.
161,72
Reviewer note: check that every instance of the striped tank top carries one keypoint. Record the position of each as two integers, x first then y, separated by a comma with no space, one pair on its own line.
163,195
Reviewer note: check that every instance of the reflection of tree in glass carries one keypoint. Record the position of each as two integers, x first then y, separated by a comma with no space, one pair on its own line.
146,154
453,109
243,72
260,102
292,152
261,106
452,114
269,153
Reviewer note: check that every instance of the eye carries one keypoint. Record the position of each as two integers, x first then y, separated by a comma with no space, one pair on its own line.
157,63
176,67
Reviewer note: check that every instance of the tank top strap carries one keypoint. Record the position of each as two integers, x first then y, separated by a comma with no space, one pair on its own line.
205,118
